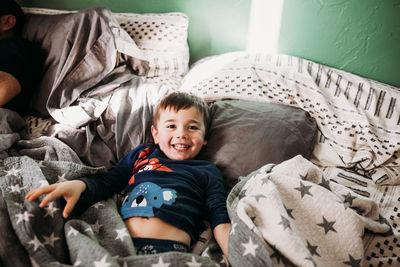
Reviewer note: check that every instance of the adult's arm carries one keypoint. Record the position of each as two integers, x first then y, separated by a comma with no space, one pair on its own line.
9,87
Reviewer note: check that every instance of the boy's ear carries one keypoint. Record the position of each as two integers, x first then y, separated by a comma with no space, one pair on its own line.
154,132
7,22
204,142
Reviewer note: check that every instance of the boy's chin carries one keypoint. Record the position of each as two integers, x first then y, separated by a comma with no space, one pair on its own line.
179,156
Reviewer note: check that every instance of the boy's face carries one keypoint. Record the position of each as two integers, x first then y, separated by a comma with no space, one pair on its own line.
180,134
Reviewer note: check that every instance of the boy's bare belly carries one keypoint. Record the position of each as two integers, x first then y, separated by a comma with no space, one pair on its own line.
152,227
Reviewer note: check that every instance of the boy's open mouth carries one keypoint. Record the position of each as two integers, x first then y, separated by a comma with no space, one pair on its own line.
180,146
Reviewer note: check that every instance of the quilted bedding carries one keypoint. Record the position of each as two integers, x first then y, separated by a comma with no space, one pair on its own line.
339,208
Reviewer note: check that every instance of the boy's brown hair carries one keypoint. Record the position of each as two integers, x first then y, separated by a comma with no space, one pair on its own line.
181,100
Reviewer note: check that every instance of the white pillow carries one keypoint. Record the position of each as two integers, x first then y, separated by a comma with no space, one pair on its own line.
162,38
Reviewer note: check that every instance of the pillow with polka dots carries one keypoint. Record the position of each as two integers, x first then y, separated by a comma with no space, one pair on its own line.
162,38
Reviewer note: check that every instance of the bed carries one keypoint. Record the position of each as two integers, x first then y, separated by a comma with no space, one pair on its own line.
309,153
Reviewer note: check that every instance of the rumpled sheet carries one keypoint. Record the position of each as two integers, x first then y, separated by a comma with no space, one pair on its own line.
80,49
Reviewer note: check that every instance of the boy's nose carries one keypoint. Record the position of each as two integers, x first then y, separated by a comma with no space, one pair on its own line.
182,133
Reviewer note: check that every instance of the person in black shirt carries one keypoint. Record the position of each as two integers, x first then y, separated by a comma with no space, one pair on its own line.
20,60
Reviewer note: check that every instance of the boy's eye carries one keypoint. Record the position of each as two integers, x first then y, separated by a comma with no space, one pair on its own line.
193,127
170,126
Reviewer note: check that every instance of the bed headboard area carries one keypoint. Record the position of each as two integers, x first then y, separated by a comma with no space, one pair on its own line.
358,36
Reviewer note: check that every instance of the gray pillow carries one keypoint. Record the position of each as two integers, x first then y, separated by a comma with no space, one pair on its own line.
245,135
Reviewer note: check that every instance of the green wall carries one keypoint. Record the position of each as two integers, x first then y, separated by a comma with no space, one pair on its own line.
215,26
360,36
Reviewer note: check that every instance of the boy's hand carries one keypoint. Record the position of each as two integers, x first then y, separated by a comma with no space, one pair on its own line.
70,190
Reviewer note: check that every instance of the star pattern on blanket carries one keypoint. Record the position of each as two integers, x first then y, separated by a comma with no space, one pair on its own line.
285,223
16,188
61,178
233,226
264,181
193,263
24,217
312,249
102,263
304,190
289,211
96,226
327,225
35,242
49,240
72,232
349,198
304,177
353,262
325,183
345,205
121,233
161,263
13,171
250,248
50,210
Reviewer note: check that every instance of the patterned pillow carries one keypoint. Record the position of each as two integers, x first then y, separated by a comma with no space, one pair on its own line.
163,39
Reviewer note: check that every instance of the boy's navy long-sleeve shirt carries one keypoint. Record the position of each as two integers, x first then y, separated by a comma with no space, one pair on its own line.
179,192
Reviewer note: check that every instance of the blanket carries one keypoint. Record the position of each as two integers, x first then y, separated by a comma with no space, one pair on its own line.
300,216
290,213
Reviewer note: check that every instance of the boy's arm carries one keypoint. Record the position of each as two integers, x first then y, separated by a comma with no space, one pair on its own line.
103,185
221,234
87,190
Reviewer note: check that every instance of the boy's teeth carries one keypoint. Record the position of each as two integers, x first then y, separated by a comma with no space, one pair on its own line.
181,146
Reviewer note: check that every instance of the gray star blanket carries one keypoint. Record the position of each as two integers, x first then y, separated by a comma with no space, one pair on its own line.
298,215
98,237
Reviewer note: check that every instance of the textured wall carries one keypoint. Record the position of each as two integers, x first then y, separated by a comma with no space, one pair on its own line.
360,36
216,26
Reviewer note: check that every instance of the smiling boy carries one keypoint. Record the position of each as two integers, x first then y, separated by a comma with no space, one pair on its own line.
168,192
